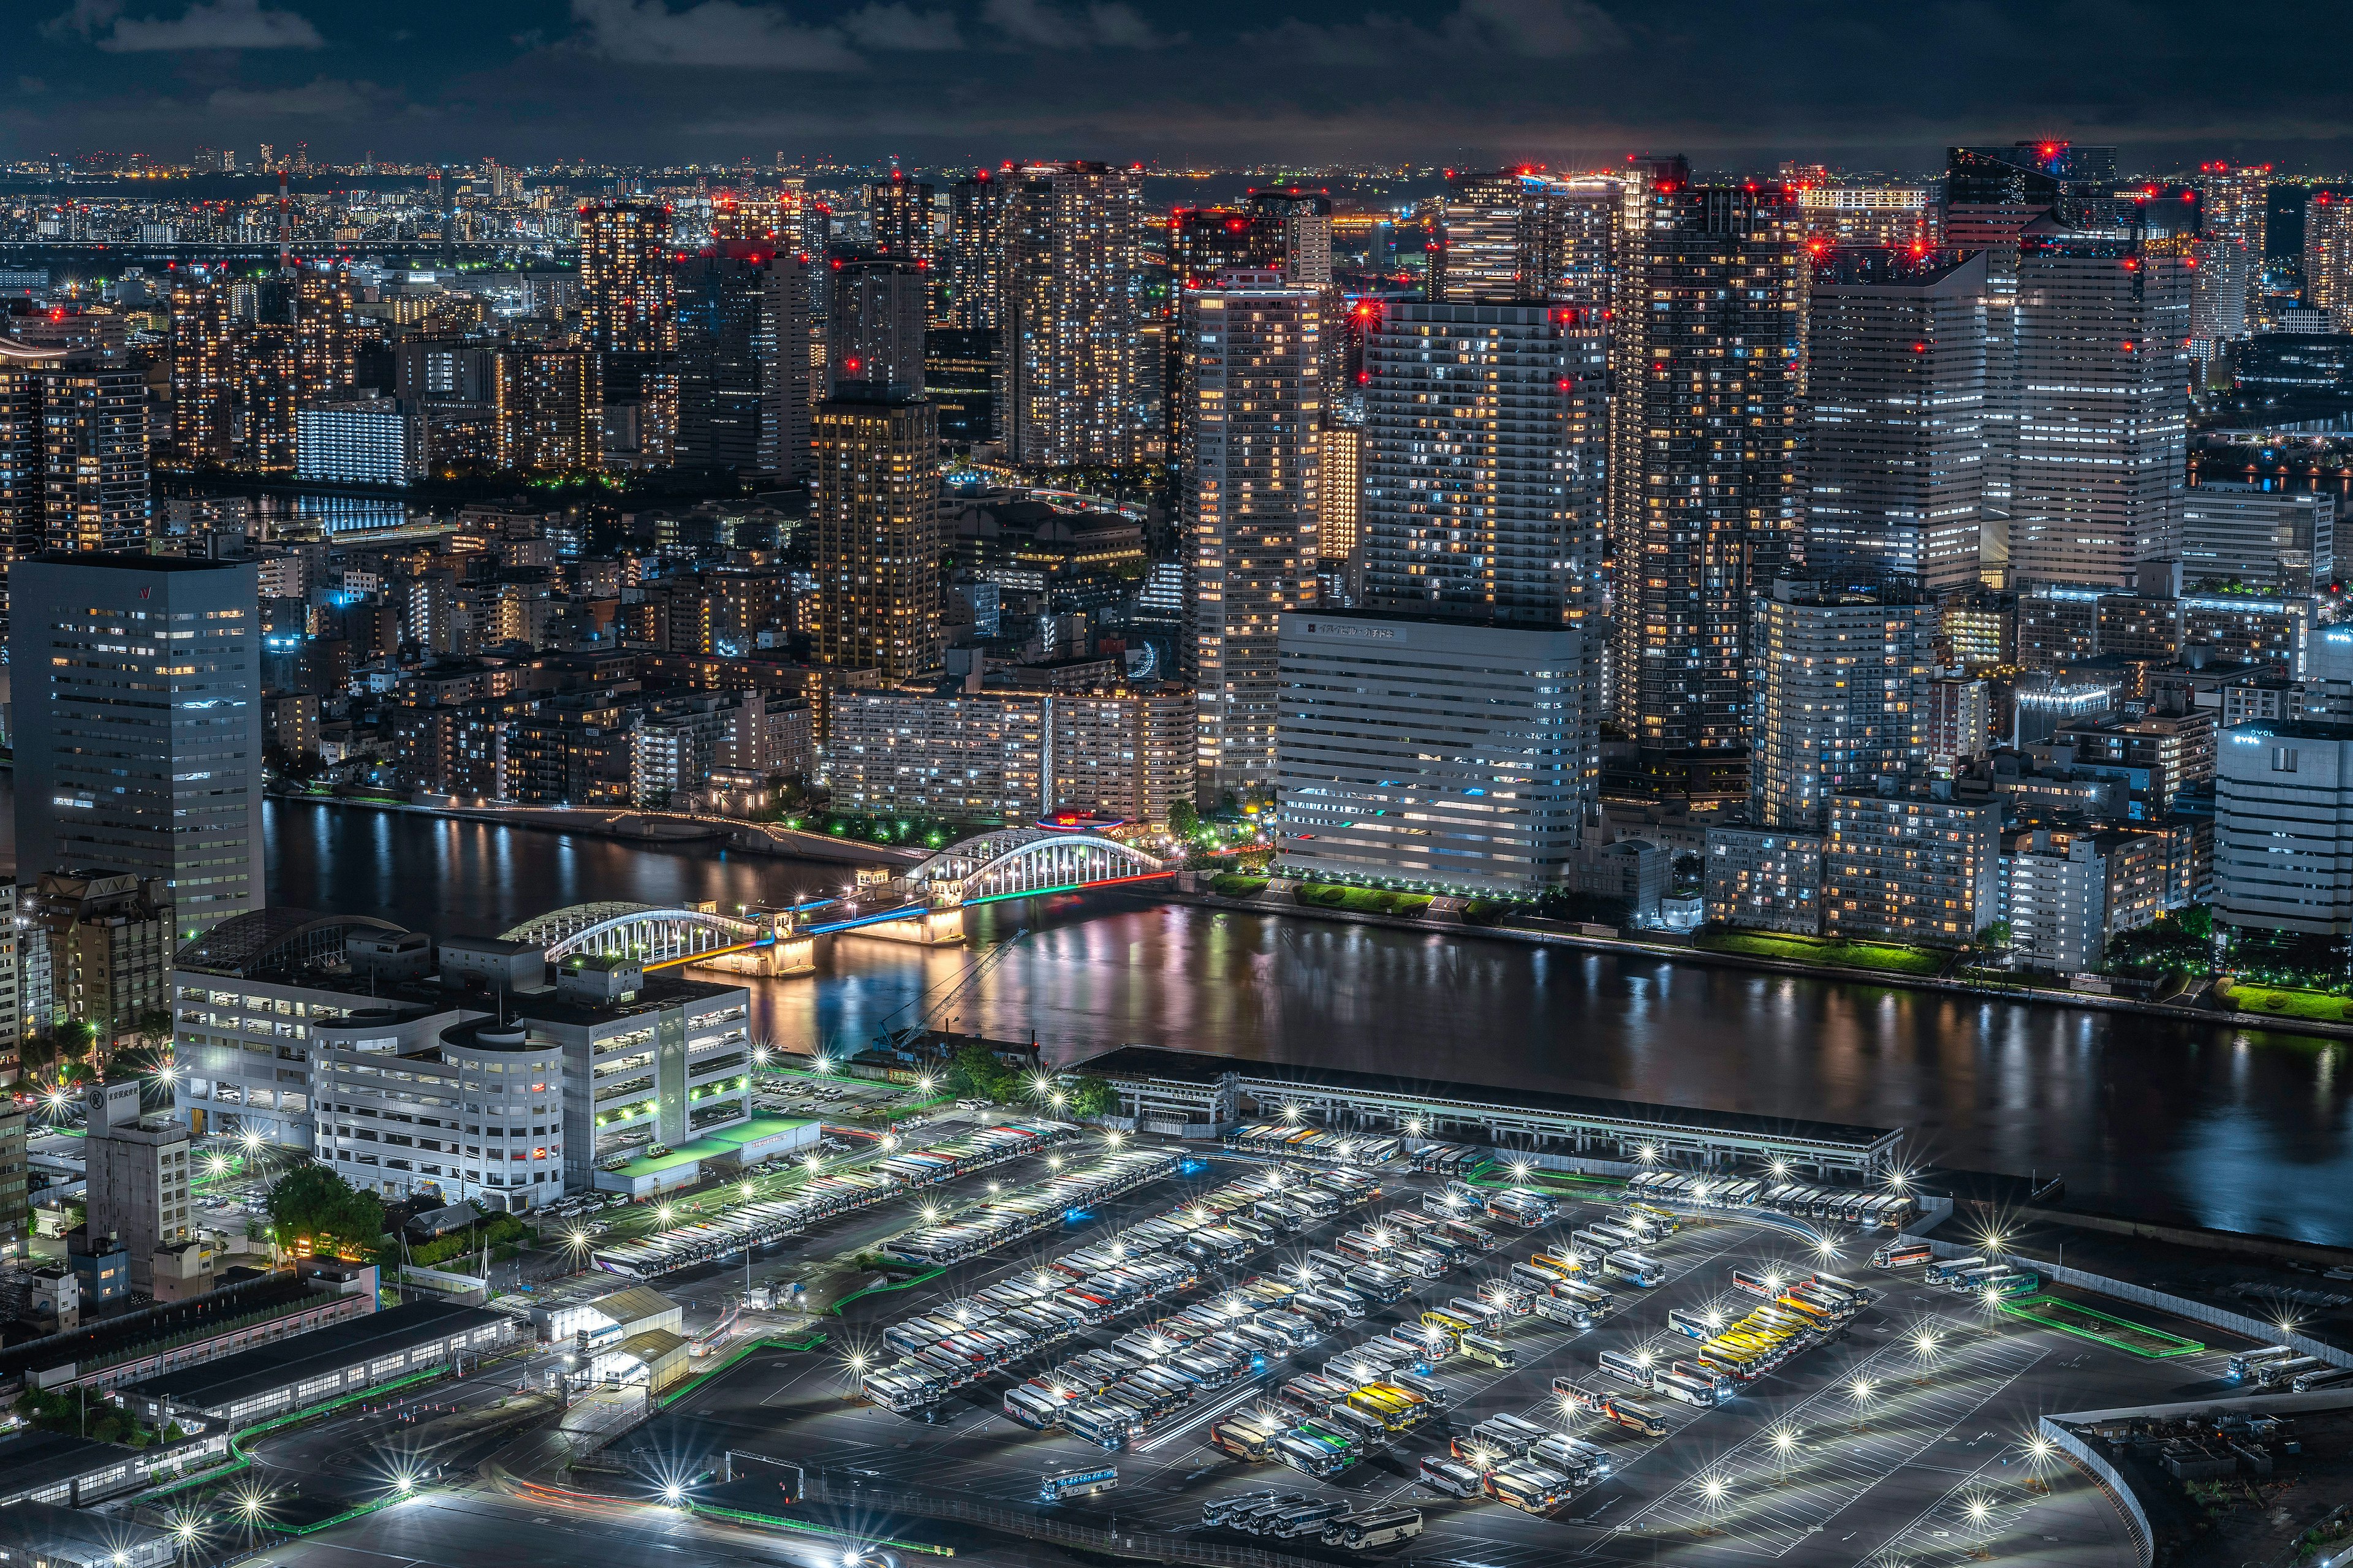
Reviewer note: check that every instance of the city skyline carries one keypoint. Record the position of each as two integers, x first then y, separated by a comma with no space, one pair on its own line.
1558,81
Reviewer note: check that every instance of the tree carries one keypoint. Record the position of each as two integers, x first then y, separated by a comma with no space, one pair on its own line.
1994,935
312,1203
975,1071
1184,821
1092,1097
74,1038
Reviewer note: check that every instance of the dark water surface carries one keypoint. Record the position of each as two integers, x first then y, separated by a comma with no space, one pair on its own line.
2239,1128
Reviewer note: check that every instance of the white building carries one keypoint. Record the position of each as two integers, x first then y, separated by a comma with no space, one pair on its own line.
2058,902
2283,827
1911,863
1764,879
138,1176
358,441
1841,685
1431,754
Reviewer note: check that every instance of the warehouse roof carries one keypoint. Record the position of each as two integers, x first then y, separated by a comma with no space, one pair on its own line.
33,1460
255,1372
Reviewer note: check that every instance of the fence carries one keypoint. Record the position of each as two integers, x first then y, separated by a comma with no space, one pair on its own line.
2111,1482
1110,1543
2140,1295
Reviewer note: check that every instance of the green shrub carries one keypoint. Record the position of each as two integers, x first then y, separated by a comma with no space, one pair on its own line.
1227,885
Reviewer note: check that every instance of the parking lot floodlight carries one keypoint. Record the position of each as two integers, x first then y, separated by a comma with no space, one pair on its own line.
1649,1153
673,1493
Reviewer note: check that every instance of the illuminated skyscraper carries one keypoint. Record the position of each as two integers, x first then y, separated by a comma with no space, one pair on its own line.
1205,241
2238,204
1343,496
1080,388
877,511
207,368
1894,468
901,211
1842,693
1896,215
1704,506
628,295
1484,244
2328,256
549,405
94,479
2103,406
875,333
1299,228
1253,506
744,361
326,335
976,253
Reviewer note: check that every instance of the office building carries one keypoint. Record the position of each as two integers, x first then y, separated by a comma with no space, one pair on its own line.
1078,385
140,1181
155,659
1893,469
627,292
1430,754
2103,406
875,334
2226,278
2328,256
1703,505
744,384
367,440
960,378
1840,693
877,525
1253,506
2236,534
1911,862
2283,827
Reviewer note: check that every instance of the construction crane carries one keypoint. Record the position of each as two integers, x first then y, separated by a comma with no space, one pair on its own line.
935,1002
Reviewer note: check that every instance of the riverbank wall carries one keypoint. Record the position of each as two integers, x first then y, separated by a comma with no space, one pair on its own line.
1685,953
646,829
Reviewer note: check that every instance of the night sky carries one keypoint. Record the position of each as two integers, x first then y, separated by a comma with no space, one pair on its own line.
1571,82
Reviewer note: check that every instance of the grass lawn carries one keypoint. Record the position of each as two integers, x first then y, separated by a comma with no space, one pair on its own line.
2084,1323
1227,885
1363,900
1818,949
2286,1002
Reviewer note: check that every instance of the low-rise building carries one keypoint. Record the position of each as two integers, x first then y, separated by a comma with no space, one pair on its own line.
1764,878
1912,862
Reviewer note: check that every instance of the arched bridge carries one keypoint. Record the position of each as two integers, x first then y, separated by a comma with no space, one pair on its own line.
1014,862
647,933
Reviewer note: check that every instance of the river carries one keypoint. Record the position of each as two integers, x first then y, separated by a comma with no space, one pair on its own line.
2237,1129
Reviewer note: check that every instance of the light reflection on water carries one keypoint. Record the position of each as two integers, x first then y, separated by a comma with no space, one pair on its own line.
2215,1126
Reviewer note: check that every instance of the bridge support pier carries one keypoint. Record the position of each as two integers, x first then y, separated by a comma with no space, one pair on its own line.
780,959
932,928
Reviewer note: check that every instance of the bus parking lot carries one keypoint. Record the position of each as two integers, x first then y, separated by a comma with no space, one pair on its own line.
1872,1412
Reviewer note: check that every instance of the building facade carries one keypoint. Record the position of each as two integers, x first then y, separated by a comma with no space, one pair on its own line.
1841,679
157,660
876,506
2283,827
1910,863
1431,754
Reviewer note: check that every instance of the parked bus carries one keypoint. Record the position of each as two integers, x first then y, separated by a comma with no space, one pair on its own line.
1564,1311
1624,1367
1538,1274
1247,1435
1363,1532
1061,1484
2010,1282
1033,1406
1101,1424
2322,1377
2247,1362
2277,1371
1690,1390
1530,1487
1636,1268
1945,1271
1493,1353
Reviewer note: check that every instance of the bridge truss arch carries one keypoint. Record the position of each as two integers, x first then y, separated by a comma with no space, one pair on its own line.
1017,860
651,933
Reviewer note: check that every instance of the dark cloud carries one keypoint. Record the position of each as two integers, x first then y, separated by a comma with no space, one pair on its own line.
1564,81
